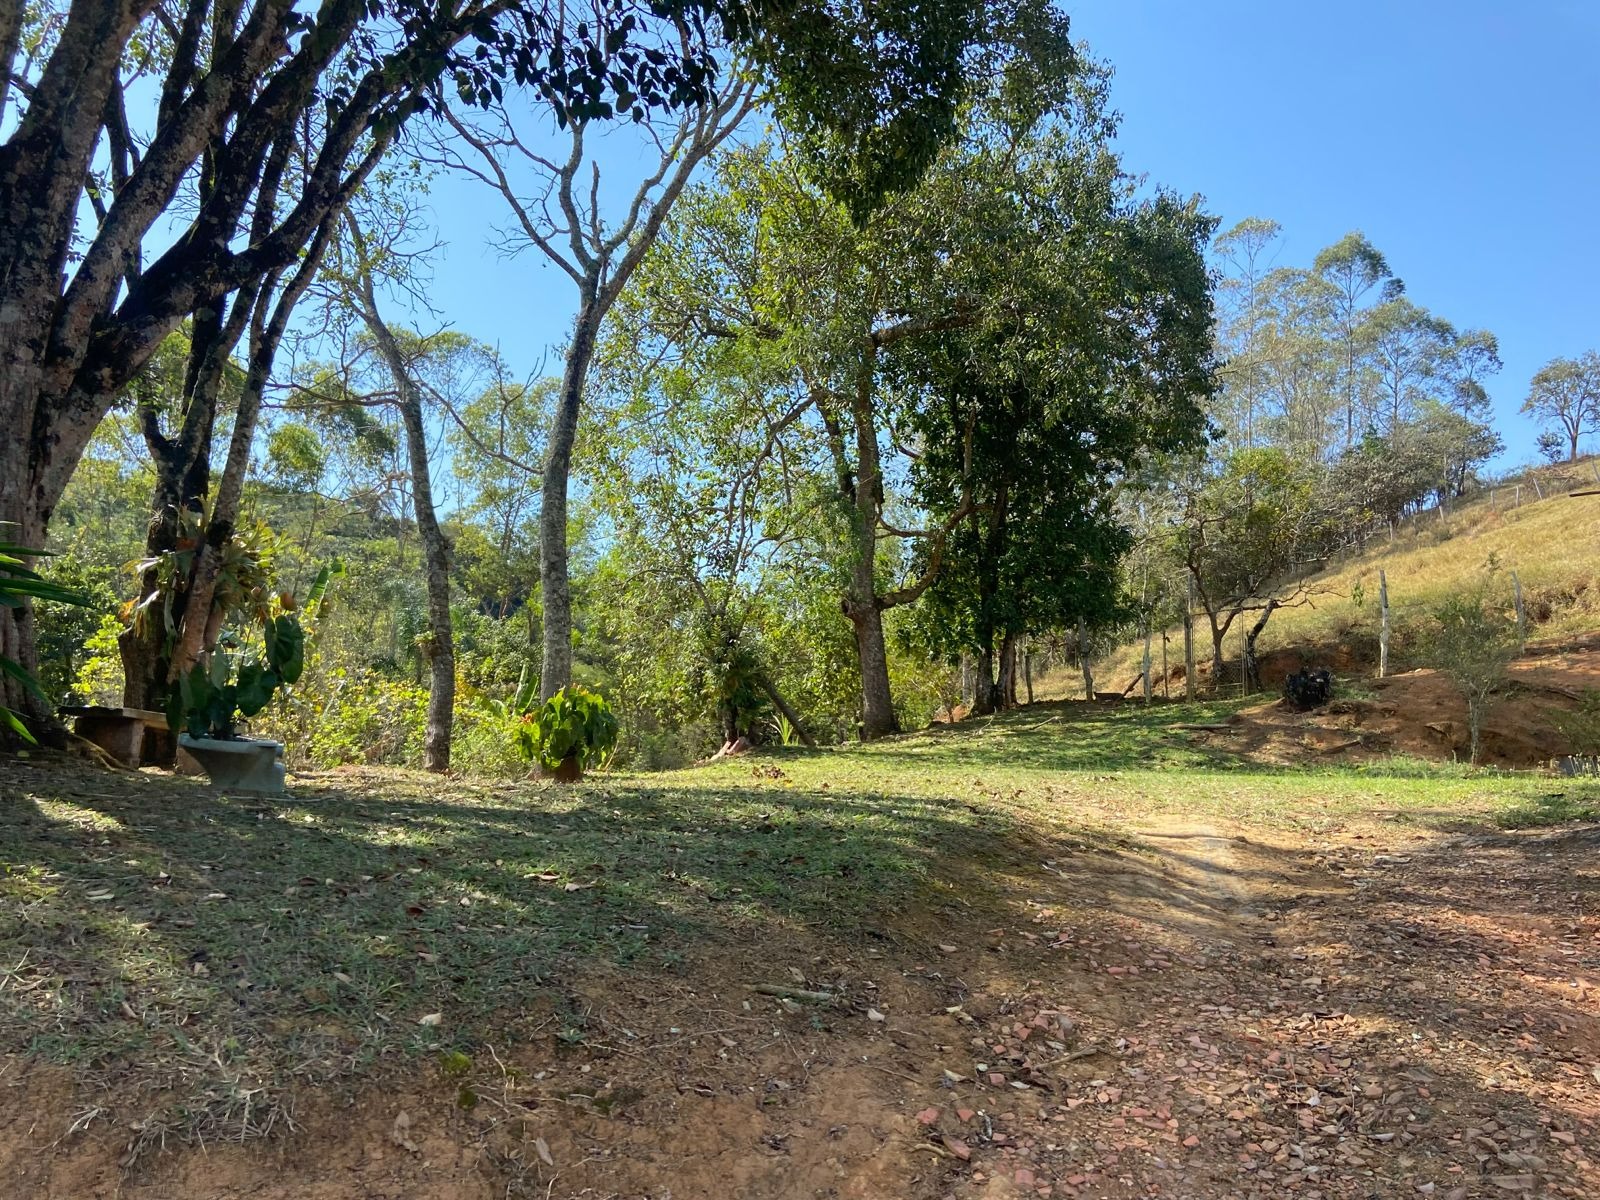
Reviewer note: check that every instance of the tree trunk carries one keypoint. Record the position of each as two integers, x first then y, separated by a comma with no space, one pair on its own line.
1083,660
985,695
436,565
1027,672
782,705
1218,633
877,702
1008,672
441,650
861,601
555,587
1252,670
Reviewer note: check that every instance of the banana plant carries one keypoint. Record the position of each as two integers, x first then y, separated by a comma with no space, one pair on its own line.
20,584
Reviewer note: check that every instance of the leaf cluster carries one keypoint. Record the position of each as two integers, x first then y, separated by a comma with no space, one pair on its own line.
574,723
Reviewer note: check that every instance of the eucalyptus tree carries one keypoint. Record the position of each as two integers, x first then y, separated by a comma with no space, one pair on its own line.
119,218
1246,252
1350,269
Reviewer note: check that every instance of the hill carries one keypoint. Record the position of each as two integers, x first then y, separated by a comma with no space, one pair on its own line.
1552,544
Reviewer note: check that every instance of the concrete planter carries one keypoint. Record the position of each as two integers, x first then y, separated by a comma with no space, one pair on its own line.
239,764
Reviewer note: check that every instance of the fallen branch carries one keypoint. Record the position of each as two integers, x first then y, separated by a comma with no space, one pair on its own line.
789,993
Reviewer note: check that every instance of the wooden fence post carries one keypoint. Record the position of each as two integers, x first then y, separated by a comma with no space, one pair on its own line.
1522,613
1383,629
1166,675
1519,497
1537,490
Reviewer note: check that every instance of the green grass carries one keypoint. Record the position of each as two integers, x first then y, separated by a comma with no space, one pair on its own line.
204,953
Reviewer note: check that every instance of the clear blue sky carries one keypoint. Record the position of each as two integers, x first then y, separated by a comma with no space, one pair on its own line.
1462,138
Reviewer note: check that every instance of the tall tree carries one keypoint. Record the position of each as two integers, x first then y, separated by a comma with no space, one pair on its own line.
559,214
1351,268
1247,251
1565,394
239,86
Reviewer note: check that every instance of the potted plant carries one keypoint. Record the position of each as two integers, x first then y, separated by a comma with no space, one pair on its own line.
210,700
572,730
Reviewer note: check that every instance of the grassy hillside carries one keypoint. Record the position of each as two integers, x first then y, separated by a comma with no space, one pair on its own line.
1552,544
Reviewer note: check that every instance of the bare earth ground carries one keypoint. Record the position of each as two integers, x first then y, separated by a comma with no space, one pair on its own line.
1420,712
1203,1010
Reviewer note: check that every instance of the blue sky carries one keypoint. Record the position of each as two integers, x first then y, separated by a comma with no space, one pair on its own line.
1461,138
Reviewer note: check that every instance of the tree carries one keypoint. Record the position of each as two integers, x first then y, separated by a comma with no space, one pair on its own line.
1247,251
401,357
1565,393
1031,444
1250,530
271,116
599,256
1350,269
1473,644
1023,242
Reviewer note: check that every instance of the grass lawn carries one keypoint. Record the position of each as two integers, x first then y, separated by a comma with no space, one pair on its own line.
205,953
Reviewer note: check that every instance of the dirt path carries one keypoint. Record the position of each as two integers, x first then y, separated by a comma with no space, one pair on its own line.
1208,1012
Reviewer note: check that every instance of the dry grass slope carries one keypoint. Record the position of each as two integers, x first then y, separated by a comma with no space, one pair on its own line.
1552,544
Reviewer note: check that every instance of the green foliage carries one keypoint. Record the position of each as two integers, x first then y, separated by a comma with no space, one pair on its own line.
211,697
20,584
1473,641
575,723
1581,726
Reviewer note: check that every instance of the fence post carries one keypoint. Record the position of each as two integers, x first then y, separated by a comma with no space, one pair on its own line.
1166,675
1188,645
1383,628
1519,496
1537,490
1083,659
1522,613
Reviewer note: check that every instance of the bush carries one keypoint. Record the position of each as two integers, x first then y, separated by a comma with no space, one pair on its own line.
574,728
1473,643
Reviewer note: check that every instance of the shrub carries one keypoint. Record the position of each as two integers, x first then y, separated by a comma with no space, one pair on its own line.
574,728
1473,644
212,698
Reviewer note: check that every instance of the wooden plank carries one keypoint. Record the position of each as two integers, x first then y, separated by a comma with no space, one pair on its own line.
100,710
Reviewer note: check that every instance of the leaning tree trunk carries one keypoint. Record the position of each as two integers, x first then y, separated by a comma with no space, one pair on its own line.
789,714
555,584
1252,669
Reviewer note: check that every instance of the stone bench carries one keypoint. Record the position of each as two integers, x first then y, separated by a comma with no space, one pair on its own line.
133,736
